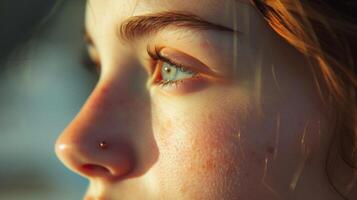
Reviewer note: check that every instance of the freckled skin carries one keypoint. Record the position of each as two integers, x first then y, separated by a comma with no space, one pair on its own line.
214,142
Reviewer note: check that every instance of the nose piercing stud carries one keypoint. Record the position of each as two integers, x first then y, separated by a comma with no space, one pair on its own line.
103,145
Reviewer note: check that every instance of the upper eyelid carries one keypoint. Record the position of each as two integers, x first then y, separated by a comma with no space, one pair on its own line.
182,59
153,53
156,55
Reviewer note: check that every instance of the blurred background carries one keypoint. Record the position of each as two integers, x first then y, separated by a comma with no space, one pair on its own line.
43,84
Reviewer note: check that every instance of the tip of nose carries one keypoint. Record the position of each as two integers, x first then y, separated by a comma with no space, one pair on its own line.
95,159
60,149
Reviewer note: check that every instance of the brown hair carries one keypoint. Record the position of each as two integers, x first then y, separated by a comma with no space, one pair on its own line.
326,33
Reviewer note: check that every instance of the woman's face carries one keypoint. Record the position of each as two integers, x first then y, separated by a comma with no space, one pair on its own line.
209,107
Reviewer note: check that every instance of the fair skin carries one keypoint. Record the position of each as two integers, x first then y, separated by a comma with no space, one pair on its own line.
249,125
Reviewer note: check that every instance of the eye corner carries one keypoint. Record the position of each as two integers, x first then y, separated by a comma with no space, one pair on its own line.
90,61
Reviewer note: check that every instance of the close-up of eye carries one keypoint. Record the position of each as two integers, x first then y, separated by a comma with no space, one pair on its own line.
177,72
167,72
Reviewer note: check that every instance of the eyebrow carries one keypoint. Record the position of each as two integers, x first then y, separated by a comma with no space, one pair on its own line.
136,27
144,25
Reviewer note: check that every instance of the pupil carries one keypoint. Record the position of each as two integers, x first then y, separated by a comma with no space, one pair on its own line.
167,69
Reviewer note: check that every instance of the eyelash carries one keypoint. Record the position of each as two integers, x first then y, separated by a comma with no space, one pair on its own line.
157,57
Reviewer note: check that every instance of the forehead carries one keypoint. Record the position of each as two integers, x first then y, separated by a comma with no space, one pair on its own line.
101,15
125,7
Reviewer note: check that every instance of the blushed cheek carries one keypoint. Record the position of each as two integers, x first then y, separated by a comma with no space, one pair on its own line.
198,152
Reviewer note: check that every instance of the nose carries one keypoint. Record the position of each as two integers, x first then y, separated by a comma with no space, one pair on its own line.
96,144
95,157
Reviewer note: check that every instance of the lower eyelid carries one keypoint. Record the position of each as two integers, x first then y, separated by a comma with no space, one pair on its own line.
184,86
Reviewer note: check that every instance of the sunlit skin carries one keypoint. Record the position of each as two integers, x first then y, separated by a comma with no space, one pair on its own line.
248,125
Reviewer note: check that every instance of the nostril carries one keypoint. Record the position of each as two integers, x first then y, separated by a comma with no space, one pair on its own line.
92,169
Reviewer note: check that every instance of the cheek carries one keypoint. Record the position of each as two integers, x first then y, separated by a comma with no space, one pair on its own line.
199,143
